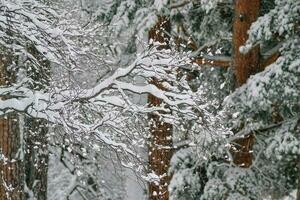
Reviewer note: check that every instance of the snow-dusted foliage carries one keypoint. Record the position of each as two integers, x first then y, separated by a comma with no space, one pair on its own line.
279,23
267,106
207,22
189,177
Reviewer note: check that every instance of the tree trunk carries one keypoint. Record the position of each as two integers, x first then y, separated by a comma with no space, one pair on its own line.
160,143
11,165
246,12
36,157
33,170
35,133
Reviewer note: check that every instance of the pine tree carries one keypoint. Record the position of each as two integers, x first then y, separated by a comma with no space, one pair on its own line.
263,107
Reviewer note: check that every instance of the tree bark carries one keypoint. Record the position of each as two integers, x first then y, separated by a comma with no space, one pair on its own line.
246,12
35,133
36,157
11,163
14,170
160,142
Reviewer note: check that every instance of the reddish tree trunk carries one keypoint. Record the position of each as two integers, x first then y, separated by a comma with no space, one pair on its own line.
246,12
11,167
160,143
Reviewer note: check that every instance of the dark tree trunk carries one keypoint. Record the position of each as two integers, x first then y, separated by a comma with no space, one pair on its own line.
160,142
35,133
246,12
11,152
36,157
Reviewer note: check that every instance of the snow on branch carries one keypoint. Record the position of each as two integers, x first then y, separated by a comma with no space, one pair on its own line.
109,93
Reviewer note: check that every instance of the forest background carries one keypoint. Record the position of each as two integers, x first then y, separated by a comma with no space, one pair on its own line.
136,99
